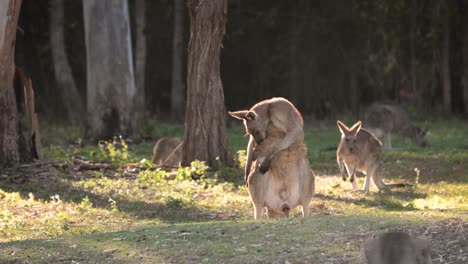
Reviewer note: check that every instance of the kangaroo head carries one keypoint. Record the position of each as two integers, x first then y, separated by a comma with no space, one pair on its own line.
349,135
417,135
255,124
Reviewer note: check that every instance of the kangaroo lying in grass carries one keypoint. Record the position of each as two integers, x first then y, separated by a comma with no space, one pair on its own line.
359,150
167,151
398,248
382,119
277,170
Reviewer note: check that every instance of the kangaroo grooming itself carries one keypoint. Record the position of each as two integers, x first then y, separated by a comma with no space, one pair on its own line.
267,118
167,151
398,248
359,150
278,173
382,119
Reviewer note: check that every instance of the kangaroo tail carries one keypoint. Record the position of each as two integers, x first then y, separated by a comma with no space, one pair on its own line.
285,209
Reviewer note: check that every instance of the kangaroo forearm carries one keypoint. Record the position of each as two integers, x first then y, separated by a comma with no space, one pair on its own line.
287,141
248,162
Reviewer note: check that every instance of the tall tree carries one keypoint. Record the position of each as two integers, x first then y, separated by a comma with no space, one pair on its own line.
445,61
110,75
9,133
71,98
464,70
205,117
140,61
178,87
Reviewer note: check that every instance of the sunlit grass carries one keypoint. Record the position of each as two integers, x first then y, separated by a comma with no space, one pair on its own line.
77,216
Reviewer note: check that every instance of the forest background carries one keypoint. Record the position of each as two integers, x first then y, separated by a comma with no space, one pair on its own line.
328,57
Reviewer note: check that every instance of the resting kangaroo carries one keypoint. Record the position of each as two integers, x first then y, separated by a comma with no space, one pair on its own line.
167,151
382,119
398,248
277,171
359,150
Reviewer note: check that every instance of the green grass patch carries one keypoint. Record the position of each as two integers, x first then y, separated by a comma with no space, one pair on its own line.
59,213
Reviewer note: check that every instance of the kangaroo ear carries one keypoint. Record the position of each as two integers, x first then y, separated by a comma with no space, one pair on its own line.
356,127
251,115
342,127
239,114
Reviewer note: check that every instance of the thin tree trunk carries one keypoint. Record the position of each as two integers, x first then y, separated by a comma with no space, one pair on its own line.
445,67
178,87
414,87
464,78
140,61
71,98
9,134
353,82
110,75
205,118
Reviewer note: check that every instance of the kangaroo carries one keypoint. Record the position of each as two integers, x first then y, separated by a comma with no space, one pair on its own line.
167,151
359,150
382,119
268,117
398,248
286,179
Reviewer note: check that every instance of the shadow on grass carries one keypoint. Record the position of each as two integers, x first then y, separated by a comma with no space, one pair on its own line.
43,188
387,200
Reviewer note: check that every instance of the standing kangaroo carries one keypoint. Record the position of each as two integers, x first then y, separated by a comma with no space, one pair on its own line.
382,119
398,248
359,150
277,171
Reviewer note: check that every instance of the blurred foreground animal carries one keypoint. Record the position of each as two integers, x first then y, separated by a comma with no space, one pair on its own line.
382,119
398,248
277,170
359,150
167,152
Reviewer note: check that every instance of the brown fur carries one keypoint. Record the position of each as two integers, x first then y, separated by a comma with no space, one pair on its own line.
167,151
359,150
268,118
382,119
398,248
278,172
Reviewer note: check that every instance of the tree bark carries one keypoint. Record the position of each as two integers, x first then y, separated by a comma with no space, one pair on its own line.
445,66
205,118
464,70
414,86
354,91
71,98
110,76
9,132
140,61
178,87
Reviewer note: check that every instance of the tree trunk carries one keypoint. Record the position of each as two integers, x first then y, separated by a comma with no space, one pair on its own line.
464,70
9,134
71,98
354,91
205,118
110,77
445,67
178,87
140,62
414,86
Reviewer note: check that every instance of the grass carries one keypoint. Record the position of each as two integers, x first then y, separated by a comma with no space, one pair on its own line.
59,213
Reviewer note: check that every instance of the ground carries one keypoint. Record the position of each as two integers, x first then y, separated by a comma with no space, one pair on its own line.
88,204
